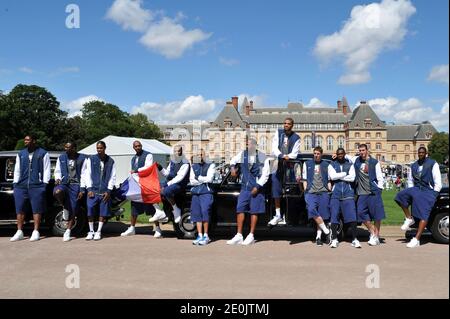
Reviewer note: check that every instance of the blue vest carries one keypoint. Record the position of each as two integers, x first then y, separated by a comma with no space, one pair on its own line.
174,168
64,162
310,165
250,174
100,183
141,160
342,189
201,170
372,173
425,179
292,139
31,174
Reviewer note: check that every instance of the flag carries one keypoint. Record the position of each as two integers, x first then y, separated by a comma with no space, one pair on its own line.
142,187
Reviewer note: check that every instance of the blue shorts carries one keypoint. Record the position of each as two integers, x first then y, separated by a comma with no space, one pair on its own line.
276,185
421,201
70,191
370,207
345,207
140,208
249,204
318,205
172,190
201,207
36,197
105,207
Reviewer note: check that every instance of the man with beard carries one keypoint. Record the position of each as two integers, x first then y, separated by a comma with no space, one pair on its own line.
424,185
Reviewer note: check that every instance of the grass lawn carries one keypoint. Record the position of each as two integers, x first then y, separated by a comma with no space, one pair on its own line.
394,214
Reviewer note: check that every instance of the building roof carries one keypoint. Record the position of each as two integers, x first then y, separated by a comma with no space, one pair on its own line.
362,113
300,118
229,113
410,132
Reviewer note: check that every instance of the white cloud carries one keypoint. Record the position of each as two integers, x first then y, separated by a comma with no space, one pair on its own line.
258,100
63,70
170,39
369,31
130,15
167,36
25,69
410,111
315,102
191,108
74,107
439,73
228,62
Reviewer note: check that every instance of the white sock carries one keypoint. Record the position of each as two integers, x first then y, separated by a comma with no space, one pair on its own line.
278,212
205,235
324,228
157,229
131,227
100,226
157,206
319,234
200,234
175,207
91,226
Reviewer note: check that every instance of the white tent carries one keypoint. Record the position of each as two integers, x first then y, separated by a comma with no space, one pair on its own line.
121,150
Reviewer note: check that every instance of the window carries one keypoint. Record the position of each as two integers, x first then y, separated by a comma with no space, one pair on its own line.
263,143
195,148
378,135
356,146
378,157
319,141
238,137
407,158
307,142
394,157
368,146
394,147
217,136
367,135
406,147
227,146
378,146
341,141
217,147
357,135
330,142
422,145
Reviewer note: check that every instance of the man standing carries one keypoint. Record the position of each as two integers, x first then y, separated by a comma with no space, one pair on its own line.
99,177
31,176
201,177
369,185
141,161
177,174
424,184
317,196
342,202
255,171
67,191
285,146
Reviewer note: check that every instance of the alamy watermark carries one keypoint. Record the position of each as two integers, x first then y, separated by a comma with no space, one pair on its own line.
73,277
73,19
373,279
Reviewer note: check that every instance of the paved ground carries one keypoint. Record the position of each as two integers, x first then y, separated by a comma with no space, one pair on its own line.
275,267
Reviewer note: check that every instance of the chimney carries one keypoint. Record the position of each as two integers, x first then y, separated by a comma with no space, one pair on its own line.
339,105
234,101
247,110
345,109
251,105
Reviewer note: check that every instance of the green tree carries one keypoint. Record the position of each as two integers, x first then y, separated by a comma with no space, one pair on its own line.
143,128
31,109
438,147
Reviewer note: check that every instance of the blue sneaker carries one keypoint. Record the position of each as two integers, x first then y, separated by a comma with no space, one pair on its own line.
204,241
197,240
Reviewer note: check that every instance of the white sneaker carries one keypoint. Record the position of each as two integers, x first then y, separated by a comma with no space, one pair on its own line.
205,241
275,220
373,241
158,233
35,236
236,240
413,243
65,214
66,236
159,214
407,223
129,232
90,235
356,244
17,236
334,243
250,239
176,215
97,235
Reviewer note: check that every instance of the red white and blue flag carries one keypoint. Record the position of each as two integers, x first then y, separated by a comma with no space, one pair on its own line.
142,187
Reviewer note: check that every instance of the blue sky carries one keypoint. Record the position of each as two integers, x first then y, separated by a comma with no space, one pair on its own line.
181,60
